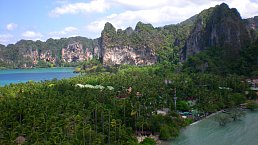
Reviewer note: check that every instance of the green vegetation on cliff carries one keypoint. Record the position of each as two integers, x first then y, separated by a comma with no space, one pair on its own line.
26,51
219,61
219,27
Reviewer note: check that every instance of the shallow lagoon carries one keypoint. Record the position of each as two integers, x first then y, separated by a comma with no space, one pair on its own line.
208,132
38,74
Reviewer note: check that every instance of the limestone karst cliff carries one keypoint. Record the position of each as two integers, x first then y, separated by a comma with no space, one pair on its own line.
219,26
27,53
117,47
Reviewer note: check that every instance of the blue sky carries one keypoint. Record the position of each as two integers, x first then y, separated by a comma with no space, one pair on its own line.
43,19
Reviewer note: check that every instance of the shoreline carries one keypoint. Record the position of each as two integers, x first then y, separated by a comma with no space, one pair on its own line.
208,116
32,68
36,74
163,142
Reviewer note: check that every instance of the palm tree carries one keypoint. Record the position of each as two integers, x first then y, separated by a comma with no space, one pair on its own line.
109,127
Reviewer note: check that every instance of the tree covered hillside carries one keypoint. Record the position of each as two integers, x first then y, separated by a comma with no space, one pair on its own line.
28,51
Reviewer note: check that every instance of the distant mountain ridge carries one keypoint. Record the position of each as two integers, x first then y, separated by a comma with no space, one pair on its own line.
218,26
57,52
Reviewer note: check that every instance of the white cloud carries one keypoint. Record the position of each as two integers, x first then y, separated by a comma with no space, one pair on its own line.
141,4
70,29
163,12
67,31
167,14
61,1
75,8
247,8
96,26
11,26
32,35
5,38
154,4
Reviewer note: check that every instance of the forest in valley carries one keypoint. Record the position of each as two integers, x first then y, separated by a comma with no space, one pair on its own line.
111,108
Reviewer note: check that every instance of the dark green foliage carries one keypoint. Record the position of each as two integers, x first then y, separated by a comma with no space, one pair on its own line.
232,114
144,35
220,35
252,95
94,66
220,61
148,141
248,63
237,98
59,112
252,105
168,132
182,106
43,64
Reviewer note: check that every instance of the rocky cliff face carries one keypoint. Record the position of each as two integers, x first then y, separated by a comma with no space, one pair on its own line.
129,55
252,23
217,27
47,56
252,26
118,47
27,53
73,53
32,55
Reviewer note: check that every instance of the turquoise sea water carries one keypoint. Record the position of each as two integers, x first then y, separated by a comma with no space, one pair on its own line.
37,74
208,132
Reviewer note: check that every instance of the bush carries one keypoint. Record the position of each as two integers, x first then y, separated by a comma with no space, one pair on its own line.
222,118
252,105
148,141
168,132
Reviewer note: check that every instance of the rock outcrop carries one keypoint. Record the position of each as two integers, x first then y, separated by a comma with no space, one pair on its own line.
129,55
217,27
118,48
47,56
73,53
252,23
31,55
252,26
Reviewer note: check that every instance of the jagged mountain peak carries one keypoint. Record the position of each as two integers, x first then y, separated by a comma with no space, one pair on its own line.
140,26
108,26
129,31
219,26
